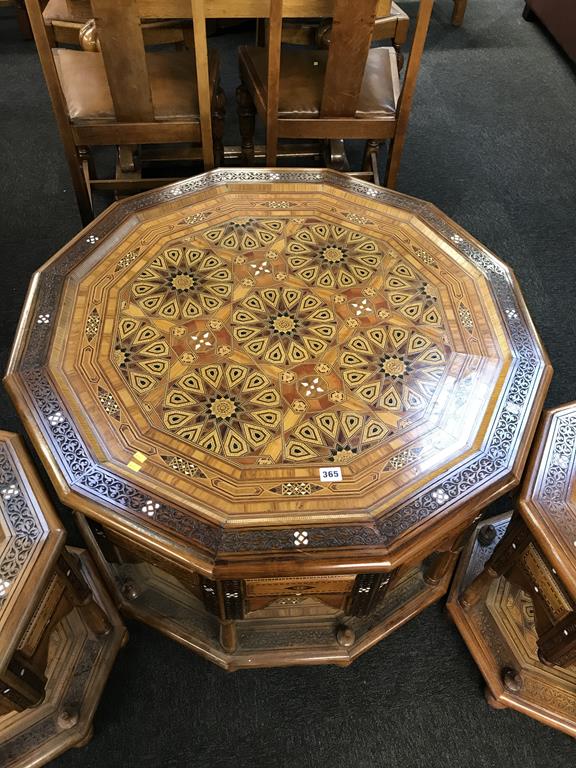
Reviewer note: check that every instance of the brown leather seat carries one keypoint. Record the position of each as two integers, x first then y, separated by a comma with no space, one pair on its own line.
302,77
172,82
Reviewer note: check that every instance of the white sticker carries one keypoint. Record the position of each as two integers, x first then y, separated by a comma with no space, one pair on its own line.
330,474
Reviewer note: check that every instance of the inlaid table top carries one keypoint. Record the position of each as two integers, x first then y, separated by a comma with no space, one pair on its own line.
548,497
31,538
255,368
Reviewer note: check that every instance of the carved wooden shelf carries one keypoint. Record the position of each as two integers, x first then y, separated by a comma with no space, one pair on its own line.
57,644
518,614
200,366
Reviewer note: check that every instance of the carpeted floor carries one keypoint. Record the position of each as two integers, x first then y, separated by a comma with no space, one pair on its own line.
493,143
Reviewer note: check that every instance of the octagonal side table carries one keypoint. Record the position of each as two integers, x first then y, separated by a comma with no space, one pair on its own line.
59,632
514,594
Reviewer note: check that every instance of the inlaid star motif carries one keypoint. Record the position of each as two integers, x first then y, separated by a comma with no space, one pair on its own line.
285,326
182,283
332,256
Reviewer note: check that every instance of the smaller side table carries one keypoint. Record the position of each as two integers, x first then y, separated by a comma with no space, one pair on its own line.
514,594
59,632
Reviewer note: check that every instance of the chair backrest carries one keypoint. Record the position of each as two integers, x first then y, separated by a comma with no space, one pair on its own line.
123,53
350,40
352,29
121,42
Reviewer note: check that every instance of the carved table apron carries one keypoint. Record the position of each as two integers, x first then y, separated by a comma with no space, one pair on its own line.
276,400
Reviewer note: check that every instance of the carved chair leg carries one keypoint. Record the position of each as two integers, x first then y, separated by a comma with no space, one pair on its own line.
23,21
399,56
440,566
188,37
88,171
218,116
335,156
247,122
458,12
370,160
79,170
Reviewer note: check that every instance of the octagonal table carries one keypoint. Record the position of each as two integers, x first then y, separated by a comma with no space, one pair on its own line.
277,399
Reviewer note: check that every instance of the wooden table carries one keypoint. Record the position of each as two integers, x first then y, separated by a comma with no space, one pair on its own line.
277,399
59,632
514,595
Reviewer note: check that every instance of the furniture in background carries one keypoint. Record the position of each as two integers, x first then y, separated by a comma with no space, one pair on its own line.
298,390
317,32
350,91
126,96
21,16
64,20
559,17
59,632
514,595
458,12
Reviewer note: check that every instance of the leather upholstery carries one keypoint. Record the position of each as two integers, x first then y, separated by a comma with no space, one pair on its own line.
302,79
172,81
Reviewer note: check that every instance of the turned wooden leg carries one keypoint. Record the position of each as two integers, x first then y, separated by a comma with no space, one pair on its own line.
80,595
23,20
228,636
247,122
440,566
218,115
458,12
370,160
127,166
399,56
335,156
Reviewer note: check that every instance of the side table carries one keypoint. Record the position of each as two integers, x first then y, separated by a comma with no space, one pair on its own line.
59,631
514,602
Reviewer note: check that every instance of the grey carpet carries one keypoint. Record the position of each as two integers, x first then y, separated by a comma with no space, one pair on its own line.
492,142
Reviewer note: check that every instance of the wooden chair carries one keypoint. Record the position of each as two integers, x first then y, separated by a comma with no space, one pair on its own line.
350,91
124,96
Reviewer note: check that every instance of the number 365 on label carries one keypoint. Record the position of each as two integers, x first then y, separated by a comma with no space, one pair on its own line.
330,474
